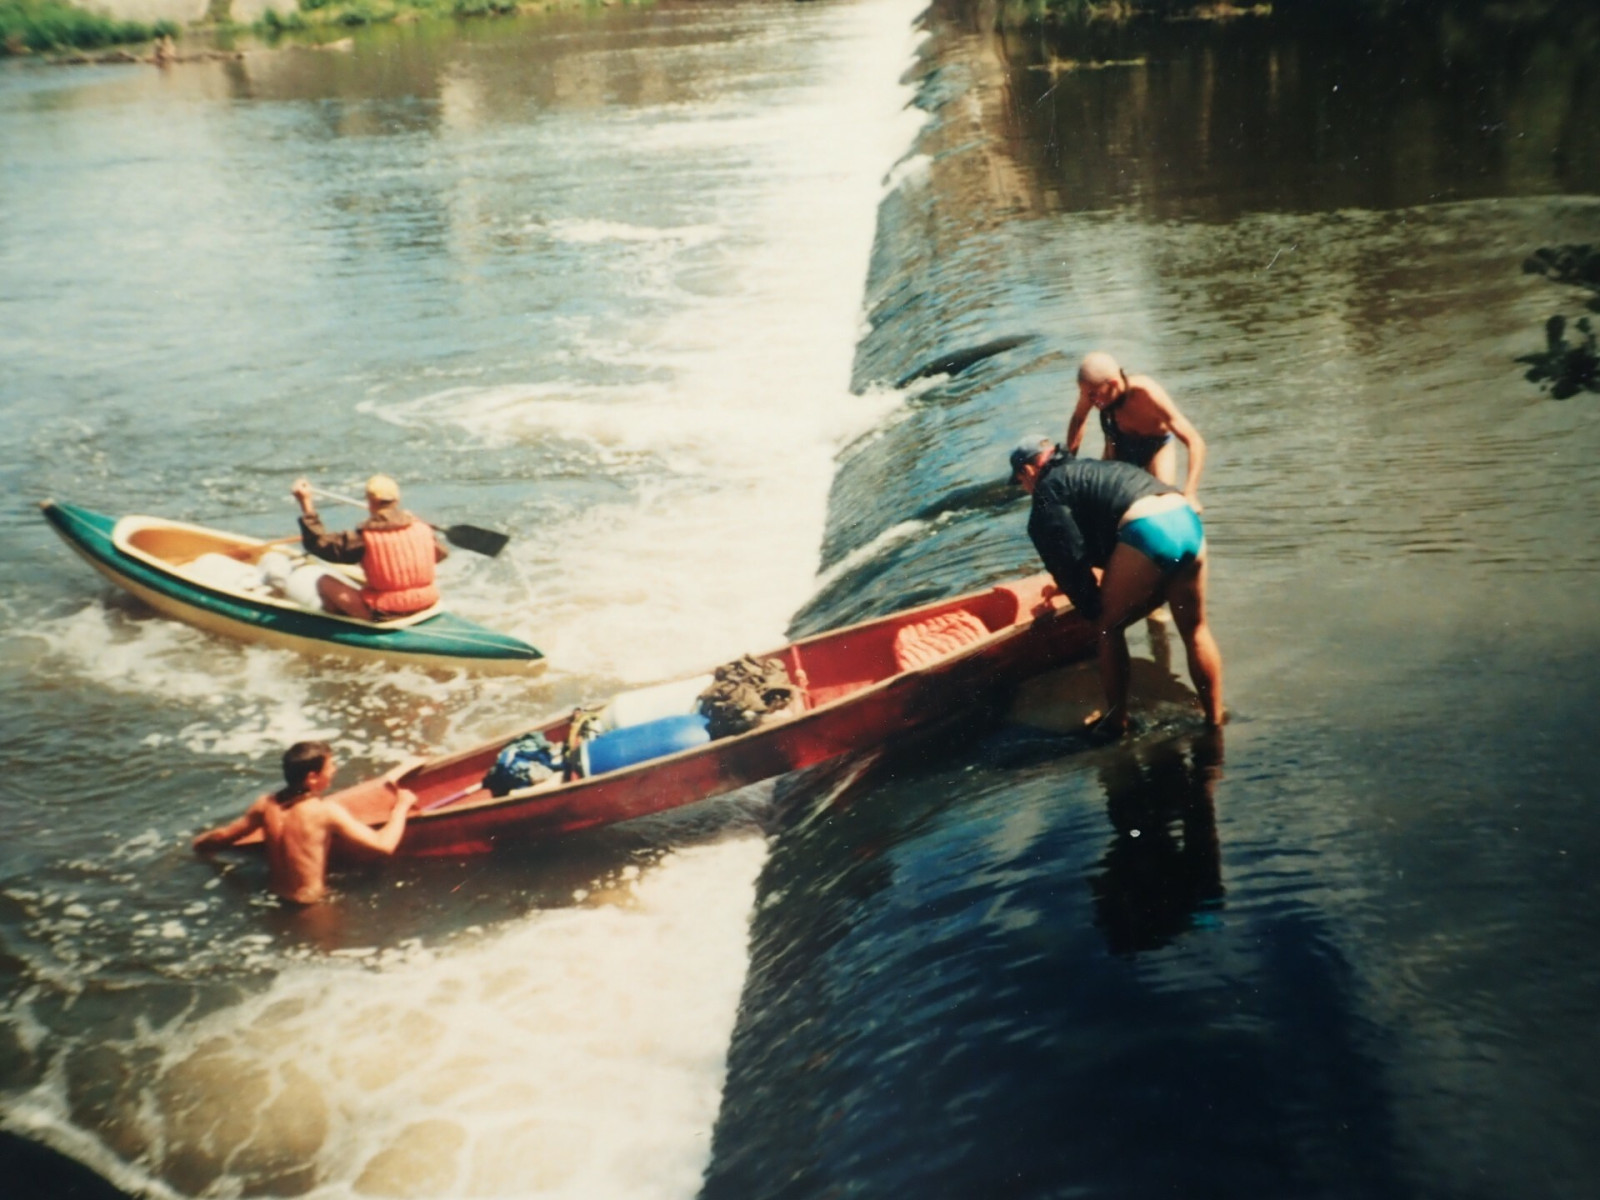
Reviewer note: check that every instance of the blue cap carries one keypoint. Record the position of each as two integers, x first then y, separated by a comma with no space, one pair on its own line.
1028,449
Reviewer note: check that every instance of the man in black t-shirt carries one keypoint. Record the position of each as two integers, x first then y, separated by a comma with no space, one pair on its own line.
1119,542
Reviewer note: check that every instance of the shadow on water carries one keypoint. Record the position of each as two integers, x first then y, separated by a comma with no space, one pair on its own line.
35,1170
1162,872
961,986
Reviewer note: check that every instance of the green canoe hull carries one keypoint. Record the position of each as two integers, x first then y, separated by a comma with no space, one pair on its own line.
442,640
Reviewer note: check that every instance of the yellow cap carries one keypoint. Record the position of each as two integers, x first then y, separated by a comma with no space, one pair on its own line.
383,489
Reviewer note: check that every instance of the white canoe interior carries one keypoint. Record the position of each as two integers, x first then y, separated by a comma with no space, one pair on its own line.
233,563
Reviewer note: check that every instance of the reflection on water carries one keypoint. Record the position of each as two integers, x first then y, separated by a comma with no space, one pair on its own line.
1359,960
1209,120
1162,872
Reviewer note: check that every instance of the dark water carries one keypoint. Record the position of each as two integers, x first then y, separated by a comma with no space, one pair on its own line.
1347,949
602,278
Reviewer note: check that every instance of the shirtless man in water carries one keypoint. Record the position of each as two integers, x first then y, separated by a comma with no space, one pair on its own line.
300,827
1139,421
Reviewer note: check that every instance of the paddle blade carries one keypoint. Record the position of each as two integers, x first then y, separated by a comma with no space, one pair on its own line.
476,539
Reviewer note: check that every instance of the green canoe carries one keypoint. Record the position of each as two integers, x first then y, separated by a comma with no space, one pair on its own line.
171,567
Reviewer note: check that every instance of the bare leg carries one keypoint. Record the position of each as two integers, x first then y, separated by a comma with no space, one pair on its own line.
1187,592
1130,587
339,597
1164,466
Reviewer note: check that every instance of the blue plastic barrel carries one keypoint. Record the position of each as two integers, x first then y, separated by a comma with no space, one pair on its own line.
639,743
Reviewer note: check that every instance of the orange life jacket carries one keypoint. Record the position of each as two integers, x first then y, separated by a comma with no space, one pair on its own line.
399,567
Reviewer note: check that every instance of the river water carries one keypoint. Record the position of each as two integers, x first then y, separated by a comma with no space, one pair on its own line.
600,281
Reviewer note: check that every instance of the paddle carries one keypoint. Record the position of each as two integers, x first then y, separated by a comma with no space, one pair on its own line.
469,537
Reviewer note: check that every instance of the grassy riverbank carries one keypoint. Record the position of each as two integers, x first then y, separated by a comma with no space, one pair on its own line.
51,26
33,26
313,14
322,14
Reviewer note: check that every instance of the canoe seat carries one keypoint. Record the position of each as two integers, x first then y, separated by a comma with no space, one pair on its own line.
930,640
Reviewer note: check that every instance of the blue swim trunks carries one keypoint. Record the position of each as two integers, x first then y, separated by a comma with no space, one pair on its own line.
1170,539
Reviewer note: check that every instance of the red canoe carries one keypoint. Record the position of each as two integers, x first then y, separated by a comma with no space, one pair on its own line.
858,686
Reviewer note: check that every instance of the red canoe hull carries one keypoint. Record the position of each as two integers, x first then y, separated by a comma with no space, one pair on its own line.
857,698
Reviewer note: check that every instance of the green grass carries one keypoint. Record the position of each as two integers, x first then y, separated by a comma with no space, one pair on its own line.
39,25
327,13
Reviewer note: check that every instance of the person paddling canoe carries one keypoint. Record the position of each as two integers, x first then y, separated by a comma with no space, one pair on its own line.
396,551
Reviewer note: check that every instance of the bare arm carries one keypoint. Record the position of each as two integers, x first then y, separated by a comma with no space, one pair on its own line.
345,547
1059,541
227,835
384,840
1196,447
1075,426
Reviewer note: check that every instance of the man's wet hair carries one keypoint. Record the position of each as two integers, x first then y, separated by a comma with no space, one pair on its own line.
303,760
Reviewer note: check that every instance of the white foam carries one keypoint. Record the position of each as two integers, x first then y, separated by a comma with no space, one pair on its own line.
591,232
577,1054
244,700
737,432
896,535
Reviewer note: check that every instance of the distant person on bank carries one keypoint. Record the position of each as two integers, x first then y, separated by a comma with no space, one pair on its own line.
1119,542
396,552
300,828
1139,421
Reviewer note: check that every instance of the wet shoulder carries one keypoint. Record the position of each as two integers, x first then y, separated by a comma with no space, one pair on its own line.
1146,392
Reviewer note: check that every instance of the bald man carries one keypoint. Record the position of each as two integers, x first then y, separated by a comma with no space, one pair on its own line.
1139,421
